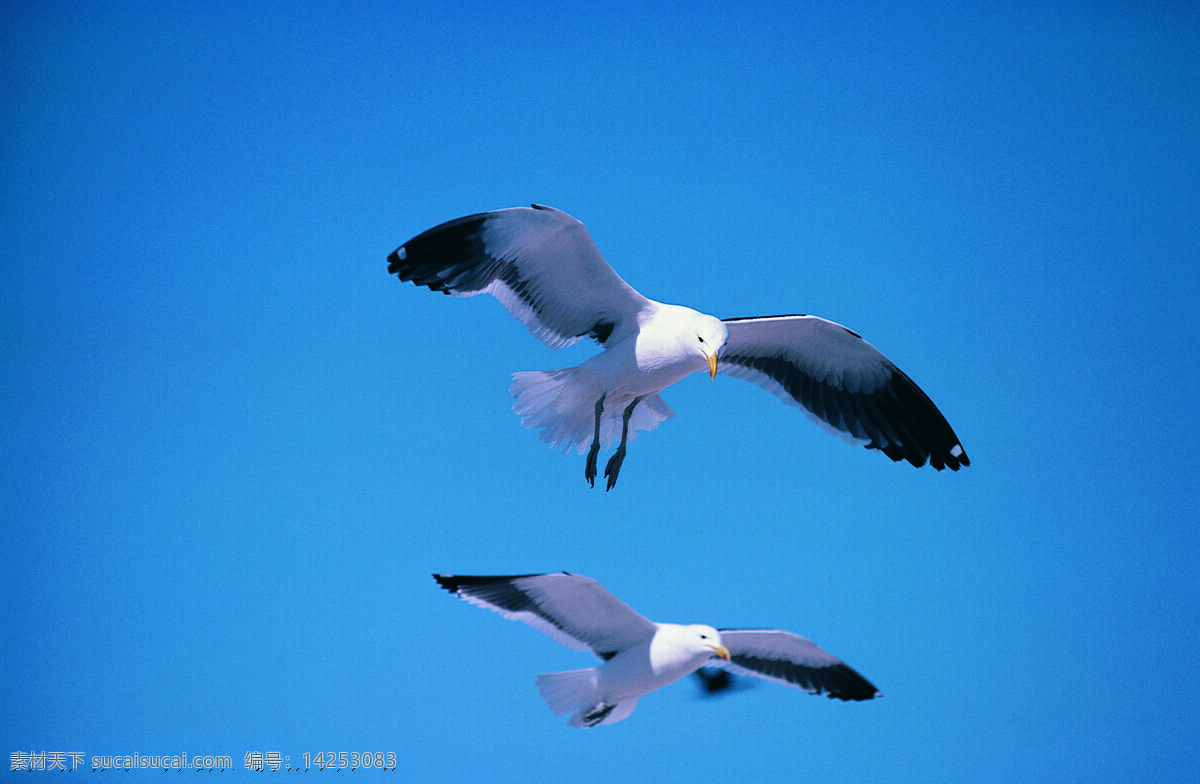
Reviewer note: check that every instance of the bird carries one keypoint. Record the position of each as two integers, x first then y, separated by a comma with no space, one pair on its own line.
641,656
545,269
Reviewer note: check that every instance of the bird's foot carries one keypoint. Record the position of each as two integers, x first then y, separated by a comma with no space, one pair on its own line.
589,470
614,467
598,714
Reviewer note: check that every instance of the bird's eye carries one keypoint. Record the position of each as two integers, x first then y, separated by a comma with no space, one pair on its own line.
700,338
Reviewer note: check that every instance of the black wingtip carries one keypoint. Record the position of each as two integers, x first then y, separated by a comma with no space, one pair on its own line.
852,686
454,582
953,458
448,257
396,260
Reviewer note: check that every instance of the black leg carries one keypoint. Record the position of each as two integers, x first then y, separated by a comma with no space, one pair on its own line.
614,463
598,714
589,470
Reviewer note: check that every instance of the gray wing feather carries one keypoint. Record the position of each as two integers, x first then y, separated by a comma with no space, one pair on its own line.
574,610
844,384
539,262
790,659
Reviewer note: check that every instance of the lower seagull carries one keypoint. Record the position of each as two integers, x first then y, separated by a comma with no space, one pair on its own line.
641,656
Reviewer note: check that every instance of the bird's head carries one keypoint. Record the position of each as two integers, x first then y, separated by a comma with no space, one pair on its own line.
706,640
711,335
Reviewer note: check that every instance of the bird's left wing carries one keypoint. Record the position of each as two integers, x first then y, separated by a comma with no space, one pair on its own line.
538,261
575,610
790,659
844,384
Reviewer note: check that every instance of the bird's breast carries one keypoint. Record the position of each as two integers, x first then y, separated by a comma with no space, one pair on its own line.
642,365
628,674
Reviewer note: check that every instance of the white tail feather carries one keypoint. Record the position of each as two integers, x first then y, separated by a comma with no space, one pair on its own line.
566,691
562,404
574,692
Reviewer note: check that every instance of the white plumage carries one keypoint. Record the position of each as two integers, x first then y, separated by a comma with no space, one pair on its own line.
639,655
543,266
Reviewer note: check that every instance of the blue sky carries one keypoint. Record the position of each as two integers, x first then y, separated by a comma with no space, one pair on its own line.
234,448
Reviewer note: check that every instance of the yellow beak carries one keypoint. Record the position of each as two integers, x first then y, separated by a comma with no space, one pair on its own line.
721,651
712,365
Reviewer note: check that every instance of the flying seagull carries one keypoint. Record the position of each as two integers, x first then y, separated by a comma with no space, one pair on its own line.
545,269
639,655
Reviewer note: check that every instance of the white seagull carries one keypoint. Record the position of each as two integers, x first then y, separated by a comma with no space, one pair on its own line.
639,655
545,269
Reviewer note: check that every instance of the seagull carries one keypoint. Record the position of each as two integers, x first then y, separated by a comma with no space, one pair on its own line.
639,655
543,266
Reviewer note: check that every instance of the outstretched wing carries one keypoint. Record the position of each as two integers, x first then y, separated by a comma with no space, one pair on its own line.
844,384
575,610
538,261
790,659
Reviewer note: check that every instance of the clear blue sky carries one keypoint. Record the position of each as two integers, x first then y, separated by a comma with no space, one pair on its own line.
234,449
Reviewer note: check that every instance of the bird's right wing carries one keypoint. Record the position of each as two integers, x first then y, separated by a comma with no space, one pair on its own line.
538,261
575,610
790,659
844,384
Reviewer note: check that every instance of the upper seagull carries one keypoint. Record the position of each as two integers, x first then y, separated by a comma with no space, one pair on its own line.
639,655
545,269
